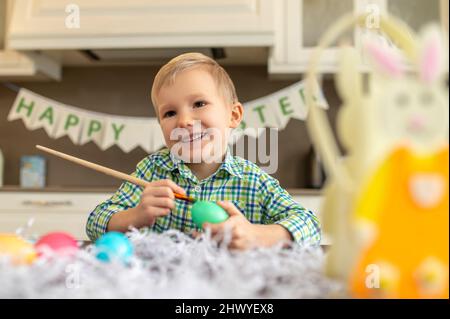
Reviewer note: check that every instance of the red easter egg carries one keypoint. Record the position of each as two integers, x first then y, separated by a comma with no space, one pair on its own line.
59,243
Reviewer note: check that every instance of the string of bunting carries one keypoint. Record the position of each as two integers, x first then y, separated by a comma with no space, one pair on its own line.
105,130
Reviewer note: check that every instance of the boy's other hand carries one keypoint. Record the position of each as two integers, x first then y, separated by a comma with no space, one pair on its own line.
244,234
157,199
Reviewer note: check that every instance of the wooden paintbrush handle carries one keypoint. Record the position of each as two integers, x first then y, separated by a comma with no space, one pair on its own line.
106,170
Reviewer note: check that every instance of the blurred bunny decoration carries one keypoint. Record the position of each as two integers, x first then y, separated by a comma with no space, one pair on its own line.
386,202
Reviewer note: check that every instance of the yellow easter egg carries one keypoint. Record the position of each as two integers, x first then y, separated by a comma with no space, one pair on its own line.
19,250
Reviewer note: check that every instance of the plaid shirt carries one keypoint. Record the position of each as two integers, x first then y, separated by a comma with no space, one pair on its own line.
255,193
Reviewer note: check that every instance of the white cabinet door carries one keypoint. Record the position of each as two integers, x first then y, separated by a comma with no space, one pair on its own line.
19,66
416,13
300,24
49,211
51,24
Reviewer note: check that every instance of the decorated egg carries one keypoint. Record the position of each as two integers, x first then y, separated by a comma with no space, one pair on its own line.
208,212
114,246
60,243
17,249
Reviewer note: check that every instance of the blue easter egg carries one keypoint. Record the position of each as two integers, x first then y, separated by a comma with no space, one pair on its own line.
114,245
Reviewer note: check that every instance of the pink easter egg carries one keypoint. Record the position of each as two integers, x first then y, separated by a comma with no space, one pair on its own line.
59,243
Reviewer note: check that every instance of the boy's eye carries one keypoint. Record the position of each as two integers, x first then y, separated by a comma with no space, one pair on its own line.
169,114
199,103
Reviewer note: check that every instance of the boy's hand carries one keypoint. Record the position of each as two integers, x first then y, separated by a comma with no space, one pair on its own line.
157,200
244,234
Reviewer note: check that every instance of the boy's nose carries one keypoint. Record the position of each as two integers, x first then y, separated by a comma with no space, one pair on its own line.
185,120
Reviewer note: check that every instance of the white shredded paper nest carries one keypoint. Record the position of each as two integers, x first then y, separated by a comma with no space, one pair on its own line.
174,265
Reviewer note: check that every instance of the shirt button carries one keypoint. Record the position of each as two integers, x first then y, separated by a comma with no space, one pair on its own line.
197,188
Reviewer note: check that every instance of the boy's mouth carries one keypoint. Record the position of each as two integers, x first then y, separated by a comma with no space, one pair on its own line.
193,137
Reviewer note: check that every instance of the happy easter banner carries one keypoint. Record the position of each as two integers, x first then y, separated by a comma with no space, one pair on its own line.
105,130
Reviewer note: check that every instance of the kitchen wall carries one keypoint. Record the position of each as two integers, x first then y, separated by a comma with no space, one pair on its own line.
124,90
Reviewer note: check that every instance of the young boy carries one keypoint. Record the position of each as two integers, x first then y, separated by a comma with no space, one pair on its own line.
193,91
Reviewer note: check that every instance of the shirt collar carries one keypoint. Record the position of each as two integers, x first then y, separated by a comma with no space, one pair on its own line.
231,165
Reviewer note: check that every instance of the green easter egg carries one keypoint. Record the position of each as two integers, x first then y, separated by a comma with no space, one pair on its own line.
208,212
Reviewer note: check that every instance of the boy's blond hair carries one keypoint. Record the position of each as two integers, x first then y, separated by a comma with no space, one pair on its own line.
169,71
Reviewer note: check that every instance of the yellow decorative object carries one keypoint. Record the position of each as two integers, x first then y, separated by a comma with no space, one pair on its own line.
386,202
16,249
407,200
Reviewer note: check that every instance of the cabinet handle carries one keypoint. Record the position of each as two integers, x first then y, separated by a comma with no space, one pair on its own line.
46,203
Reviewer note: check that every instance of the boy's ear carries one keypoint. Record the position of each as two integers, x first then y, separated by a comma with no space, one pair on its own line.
237,113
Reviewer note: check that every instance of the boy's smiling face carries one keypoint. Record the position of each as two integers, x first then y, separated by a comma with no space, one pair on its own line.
195,116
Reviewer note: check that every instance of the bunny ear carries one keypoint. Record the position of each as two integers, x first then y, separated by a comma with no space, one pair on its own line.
386,60
430,57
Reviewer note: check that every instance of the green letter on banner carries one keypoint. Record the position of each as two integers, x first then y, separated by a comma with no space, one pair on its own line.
94,126
48,114
284,104
260,113
23,105
71,120
117,131
302,95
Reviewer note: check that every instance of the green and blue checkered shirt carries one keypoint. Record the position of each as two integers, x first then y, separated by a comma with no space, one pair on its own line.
255,193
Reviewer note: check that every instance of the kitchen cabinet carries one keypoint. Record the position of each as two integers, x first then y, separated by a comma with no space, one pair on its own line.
416,13
290,28
23,66
19,66
50,211
54,24
299,25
